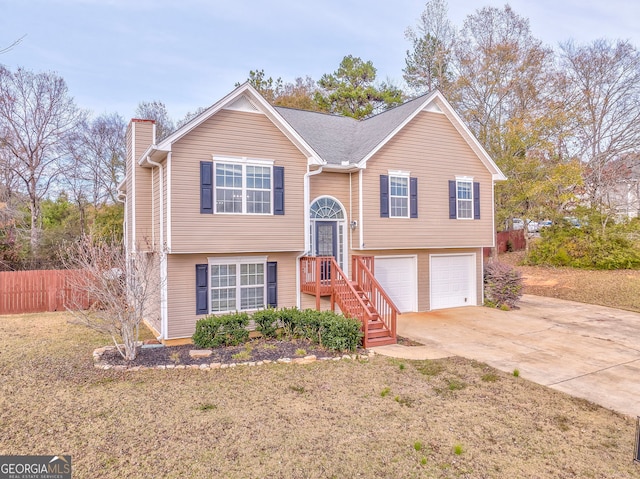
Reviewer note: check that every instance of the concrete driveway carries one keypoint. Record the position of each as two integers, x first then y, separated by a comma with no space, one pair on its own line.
588,351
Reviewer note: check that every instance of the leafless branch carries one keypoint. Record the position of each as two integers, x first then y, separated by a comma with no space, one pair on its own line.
123,289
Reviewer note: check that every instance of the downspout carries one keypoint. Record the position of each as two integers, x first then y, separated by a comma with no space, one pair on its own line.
168,218
122,198
163,257
307,229
350,212
360,213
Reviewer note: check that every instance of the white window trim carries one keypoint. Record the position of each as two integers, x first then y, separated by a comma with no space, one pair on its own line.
244,162
464,179
237,260
400,174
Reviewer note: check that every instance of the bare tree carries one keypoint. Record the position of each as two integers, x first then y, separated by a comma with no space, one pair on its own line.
502,71
505,89
190,116
157,111
122,289
38,121
99,156
428,64
603,86
8,179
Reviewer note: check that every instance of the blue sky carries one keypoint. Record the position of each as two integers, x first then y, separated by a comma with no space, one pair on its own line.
189,53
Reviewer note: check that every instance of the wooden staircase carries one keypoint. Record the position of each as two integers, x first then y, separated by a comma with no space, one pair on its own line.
361,297
377,332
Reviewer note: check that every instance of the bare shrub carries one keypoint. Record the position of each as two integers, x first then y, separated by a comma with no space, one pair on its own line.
502,285
122,288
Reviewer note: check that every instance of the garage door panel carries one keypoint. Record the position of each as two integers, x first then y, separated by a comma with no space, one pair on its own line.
453,281
397,275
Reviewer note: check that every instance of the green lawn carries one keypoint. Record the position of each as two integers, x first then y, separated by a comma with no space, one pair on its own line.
379,419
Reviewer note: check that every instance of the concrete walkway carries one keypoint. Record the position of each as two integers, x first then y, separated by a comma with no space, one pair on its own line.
588,351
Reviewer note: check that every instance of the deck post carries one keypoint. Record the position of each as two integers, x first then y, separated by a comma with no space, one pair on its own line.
331,282
317,275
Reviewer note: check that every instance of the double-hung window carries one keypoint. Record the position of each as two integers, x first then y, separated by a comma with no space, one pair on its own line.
399,196
243,186
237,284
464,192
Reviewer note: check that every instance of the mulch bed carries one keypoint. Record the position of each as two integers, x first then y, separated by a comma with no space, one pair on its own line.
256,350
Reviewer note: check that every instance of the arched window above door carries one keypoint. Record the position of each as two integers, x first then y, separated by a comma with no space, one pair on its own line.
327,209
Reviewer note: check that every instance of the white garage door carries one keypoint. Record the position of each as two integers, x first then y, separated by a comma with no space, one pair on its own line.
397,275
453,281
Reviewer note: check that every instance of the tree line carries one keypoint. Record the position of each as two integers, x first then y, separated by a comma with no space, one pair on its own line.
59,169
563,124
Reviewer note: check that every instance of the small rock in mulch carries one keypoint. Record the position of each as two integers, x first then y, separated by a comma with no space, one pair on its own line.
254,351
200,353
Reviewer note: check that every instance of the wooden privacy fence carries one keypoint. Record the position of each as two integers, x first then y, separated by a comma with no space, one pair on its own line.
508,241
38,291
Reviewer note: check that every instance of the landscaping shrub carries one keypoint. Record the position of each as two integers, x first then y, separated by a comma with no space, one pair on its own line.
289,318
502,285
339,333
592,246
266,322
308,325
226,330
331,330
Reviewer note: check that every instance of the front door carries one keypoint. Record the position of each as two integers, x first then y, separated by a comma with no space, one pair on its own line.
326,239
326,244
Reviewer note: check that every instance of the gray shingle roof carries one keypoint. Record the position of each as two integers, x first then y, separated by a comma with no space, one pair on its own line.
339,138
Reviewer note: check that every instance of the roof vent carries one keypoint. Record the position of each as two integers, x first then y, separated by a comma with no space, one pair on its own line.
242,104
432,107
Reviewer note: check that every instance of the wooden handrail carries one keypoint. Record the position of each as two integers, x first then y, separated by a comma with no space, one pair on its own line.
363,276
348,300
322,276
313,279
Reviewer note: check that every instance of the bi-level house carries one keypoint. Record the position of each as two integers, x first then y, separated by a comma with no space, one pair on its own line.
250,205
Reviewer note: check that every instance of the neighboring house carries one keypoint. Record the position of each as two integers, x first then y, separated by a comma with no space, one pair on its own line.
623,196
239,201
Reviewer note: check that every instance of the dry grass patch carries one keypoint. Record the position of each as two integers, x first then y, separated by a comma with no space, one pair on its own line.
326,419
616,289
